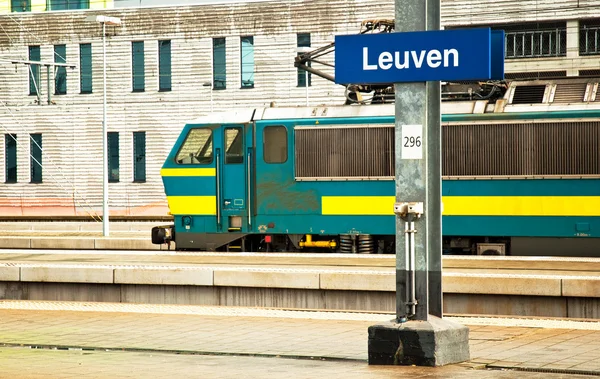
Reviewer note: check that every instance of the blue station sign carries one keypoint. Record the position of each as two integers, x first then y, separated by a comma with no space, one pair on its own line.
461,54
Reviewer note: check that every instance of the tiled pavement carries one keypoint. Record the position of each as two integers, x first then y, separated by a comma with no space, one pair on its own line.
151,334
24,363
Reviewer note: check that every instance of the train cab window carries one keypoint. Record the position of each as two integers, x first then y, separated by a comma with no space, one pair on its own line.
234,145
275,144
197,147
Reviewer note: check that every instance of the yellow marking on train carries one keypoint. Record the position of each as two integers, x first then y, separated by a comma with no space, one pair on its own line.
521,205
192,205
192,171
357,205
471,205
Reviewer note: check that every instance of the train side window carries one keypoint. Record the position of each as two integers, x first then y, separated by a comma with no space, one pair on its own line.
234,145
275,144
197,147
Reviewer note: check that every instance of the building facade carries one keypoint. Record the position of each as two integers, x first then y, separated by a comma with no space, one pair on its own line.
168,65
165,66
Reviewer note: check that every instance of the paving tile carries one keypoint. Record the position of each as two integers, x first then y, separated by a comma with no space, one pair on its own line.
236,331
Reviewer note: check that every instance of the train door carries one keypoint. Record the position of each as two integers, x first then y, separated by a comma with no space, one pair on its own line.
233,150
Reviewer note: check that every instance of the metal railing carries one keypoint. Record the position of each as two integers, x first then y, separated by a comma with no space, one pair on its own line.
536,43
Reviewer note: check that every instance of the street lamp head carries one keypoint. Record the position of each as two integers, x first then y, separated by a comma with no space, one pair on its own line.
104,20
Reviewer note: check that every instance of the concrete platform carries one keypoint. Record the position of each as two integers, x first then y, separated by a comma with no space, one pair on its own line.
316,344
131,235
298,281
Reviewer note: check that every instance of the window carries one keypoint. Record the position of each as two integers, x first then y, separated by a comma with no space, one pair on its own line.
57,5
197,147
219,64
113,157
275,144
247,62
20,5
139,156
164,65
234,145
532,40
85,67
60,79
589,37
36,157
34,73
137,66
10,158
303,41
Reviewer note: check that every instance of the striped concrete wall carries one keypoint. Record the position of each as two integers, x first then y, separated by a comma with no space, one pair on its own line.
71,126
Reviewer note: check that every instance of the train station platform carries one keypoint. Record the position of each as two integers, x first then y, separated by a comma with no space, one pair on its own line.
94,340
124,235
523,286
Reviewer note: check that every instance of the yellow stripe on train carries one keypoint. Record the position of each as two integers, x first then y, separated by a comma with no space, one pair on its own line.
471,205
192,171
192,205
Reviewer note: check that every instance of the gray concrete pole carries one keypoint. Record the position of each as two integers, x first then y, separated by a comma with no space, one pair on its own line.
419,335
411,177
434,178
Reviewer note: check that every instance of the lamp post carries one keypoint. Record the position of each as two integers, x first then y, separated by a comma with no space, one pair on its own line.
104,20
209,84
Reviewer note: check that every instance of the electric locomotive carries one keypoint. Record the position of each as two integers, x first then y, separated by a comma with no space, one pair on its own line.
520,176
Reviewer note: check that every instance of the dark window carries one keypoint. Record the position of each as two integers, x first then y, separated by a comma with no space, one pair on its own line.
57,5
85,67
197,147
275,144
164,65
20,5
247,62
10,158
36,158
60,80
139,156
113,157
532,40
137,66
34,74
219,64
589,37
303,41
234,145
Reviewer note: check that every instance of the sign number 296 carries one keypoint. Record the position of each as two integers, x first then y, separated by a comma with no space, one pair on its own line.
412,141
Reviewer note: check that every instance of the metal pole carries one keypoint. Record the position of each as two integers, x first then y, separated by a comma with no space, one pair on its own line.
434,178
48,84
411,176
306,85
104,140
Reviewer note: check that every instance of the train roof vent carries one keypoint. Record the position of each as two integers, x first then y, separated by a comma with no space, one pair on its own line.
529,94
570,92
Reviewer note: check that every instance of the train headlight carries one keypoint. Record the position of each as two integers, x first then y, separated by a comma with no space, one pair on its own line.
187,220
